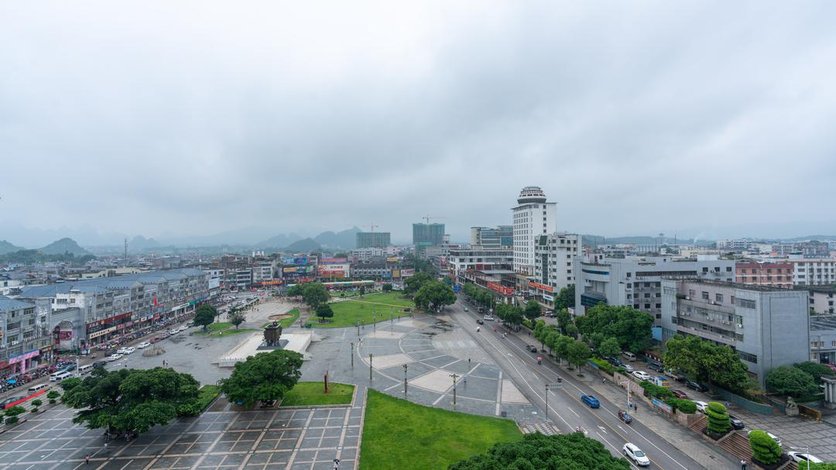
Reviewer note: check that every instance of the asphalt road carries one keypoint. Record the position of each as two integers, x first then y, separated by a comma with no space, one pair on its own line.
565,408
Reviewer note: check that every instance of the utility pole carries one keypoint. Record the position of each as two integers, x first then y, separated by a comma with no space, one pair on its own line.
405,366
352,355
370,367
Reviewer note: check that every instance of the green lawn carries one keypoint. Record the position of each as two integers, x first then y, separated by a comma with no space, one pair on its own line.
401,435
312,393
349,312
394,299
287,322
207,394
221,329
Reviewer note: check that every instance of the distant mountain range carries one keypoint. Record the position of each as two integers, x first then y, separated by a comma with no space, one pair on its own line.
304,245
6,247
63,246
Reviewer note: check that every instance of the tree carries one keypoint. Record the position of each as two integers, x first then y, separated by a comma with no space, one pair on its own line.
532,310
764,448
433,295
237,318
12,414
205,315
263,377
564,319
414,283
707,362
509,314
314,294
719,422
821,466
130,400
387,287
565,298
324,311
36,403
792,381
539,452
629,326
52,396
609,347
561,346
815,369
578,353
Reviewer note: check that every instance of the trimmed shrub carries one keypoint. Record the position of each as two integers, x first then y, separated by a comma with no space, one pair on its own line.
718,418
53,395
655,391
11,414
764,449
683,406
603,365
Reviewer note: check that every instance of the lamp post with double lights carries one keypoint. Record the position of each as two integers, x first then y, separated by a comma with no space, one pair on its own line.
549,387
405,367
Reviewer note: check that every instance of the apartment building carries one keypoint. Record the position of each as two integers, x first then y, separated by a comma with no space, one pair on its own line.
554,265
813,272
532,217
373,239
24,337
767,326
821,299
477,258
637,281
774,274
501,236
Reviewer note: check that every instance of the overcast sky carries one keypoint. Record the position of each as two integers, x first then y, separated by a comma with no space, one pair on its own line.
170,119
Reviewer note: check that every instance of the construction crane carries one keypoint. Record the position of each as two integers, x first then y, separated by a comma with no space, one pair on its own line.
372,226
428,217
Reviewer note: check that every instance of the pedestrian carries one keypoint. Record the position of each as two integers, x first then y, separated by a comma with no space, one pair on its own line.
87,459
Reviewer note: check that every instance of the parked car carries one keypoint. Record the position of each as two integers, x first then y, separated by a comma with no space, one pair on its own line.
99,365
632,452
532,348
488,318
591,401
801,457
773,436
8,401
114,357
680,394
701,405
655,367
641,375
466,309
736,422
130,350
675,375
480,321
628,368
143,345
173,332
69,367
122,351
696,386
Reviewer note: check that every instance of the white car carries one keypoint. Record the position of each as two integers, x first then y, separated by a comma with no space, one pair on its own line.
129,350
701,406
122,351
183,328
773,436
114,357
173,332
632,452
641,375
628,368
801,457
143,345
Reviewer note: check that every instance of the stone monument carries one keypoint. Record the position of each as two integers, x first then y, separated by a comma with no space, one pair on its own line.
272,336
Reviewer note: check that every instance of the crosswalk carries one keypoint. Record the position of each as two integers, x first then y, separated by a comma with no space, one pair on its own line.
543,428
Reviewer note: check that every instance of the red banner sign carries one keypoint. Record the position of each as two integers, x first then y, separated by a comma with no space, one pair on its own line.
542,287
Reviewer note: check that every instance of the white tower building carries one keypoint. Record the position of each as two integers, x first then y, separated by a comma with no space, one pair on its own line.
533,216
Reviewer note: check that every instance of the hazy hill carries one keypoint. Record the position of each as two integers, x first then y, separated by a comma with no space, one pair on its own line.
6,247
62,246
303,246
346,239
278,241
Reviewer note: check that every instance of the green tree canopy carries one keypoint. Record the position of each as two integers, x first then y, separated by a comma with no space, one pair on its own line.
509,314
414,283
263,377
792,381
532,310
764,448
324,311
130,400
609,347
387,287
707,362
578,353
564,319
815,369
539,452
433,295
237,318
314,294
629,326
565,298
560,345
205,315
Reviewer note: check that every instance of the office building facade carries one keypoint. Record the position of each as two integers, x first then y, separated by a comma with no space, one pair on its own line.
424,235
532,217
554,265
501,236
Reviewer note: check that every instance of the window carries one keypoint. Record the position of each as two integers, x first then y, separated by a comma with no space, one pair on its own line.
718,298
705,295
748,357
746,303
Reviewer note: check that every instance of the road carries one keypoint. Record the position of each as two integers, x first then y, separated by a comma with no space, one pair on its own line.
565,408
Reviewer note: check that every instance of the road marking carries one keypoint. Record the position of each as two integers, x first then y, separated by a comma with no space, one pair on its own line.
574,412
602,429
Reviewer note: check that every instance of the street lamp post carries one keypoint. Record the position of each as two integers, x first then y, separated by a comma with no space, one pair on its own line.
550,387
352,355
370,367
455,376
404,379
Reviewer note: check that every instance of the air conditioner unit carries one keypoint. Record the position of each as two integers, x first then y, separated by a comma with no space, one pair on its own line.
740,325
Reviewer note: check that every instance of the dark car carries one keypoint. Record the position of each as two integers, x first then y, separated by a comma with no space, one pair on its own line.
615,361
480,321
8,401
99,365
696,386
679,394
532,348
655,366
736,422
69,367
